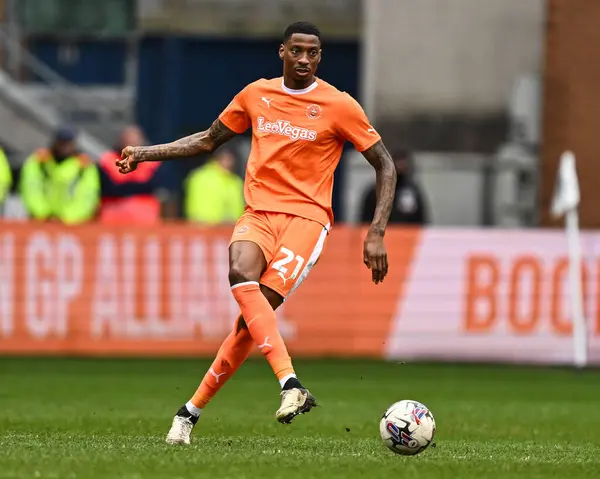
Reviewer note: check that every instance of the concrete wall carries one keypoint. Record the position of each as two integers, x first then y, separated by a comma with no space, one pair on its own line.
336,18
448,55
452,184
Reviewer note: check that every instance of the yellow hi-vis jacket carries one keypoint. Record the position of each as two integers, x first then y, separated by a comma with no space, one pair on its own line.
68,191
213,195
5,177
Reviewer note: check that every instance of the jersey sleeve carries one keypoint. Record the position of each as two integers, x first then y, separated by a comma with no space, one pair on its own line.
354,125
235,115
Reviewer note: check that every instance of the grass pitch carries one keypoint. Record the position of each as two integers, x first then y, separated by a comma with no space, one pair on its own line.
70,418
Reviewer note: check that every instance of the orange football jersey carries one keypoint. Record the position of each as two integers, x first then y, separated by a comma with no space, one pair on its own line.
297,141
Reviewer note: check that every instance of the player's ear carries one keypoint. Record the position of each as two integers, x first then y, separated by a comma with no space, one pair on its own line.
281,51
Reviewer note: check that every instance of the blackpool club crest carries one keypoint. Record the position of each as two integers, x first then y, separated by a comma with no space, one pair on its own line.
313,111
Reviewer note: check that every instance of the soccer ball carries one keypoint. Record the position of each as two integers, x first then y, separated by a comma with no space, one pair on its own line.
407,427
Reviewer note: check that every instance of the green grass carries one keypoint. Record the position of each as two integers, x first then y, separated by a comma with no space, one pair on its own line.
107,419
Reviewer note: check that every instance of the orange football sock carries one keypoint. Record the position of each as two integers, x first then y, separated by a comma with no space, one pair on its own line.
262,324
232,353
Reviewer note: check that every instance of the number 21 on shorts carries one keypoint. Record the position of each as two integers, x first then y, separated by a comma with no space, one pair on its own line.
282,268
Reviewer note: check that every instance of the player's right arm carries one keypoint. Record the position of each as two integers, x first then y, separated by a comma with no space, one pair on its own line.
233,121
203,142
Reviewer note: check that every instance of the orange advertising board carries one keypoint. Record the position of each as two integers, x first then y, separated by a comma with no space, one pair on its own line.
102,290
457,295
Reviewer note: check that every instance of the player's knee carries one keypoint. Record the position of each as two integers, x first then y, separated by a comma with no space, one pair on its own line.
239,274
274,299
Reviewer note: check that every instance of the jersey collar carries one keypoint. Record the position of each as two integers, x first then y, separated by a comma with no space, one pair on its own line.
308,89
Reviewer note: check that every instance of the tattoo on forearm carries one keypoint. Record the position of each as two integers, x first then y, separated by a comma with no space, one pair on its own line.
203,142
381,160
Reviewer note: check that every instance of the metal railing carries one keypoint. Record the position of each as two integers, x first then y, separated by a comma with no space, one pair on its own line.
44,118
68,94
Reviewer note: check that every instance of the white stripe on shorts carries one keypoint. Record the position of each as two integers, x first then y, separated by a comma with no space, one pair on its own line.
312,260
246,283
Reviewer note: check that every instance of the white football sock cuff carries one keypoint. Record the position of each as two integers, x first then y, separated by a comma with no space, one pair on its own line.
193,410
284,379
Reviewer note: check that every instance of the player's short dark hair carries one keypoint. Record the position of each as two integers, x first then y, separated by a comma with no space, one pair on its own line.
305,28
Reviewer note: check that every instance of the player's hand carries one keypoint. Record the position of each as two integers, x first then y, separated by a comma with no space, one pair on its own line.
128,161
375,256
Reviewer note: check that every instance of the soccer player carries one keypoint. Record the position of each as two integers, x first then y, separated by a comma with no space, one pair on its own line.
299,125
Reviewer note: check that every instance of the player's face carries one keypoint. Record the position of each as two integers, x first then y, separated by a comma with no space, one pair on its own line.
301,55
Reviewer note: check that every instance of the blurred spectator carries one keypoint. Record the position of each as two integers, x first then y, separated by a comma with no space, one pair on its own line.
5,176
59,182
409,206
136,198
214,194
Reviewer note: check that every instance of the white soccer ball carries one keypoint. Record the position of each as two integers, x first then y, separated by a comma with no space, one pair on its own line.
407,427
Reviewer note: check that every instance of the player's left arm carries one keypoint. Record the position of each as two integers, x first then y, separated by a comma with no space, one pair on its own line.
375,255
355,127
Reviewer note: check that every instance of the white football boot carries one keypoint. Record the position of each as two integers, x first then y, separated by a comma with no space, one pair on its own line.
293,402
181,428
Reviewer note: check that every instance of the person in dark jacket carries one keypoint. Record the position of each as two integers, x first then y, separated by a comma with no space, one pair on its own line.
409,205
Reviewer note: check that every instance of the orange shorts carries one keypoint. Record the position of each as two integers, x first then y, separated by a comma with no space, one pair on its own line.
291,245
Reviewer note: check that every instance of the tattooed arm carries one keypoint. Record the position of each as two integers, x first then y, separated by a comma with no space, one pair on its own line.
385,174
375,256
204,142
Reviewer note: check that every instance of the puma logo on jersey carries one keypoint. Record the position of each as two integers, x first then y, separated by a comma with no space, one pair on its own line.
268,102
285,128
